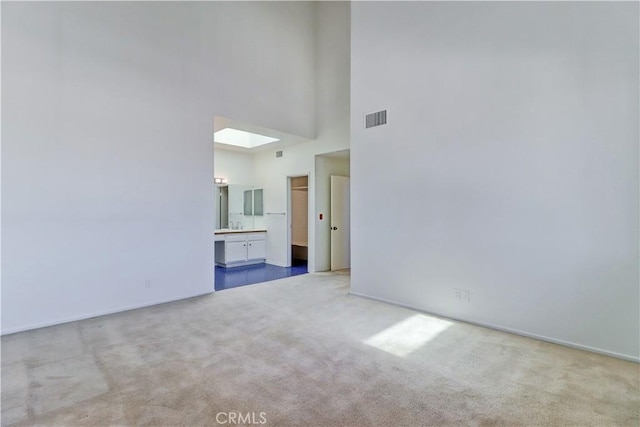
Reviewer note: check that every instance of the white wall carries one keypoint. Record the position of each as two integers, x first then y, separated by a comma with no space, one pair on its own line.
271,174
325,167
332,27
107,142
513,131
236,166
299,217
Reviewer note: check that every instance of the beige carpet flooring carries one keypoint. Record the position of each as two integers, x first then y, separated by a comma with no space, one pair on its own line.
303,352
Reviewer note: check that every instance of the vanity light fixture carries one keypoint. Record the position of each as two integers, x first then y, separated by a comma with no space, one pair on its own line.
219,180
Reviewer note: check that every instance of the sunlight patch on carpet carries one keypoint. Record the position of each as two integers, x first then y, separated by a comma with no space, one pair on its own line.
408,335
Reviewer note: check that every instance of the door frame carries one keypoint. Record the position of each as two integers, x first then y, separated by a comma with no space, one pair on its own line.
290,216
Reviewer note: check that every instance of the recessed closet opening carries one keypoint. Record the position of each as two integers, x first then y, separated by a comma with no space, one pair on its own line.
299,214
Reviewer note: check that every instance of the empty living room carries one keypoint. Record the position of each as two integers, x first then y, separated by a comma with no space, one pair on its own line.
492,198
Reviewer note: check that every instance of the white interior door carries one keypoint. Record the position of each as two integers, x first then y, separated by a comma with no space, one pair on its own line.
340,223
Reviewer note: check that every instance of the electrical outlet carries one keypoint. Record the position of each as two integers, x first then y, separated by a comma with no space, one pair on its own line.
466,295
147,283
458,293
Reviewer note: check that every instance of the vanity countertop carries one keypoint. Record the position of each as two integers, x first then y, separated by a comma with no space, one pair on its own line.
229,231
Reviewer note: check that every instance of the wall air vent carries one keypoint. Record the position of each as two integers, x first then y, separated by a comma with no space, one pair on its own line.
279,153
375,119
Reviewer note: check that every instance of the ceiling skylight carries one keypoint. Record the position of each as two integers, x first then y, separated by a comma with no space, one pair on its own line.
240,138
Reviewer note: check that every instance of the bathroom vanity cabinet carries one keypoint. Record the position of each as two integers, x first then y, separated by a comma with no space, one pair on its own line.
236,248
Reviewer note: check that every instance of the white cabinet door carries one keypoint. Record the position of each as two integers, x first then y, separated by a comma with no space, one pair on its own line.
236,251
257,249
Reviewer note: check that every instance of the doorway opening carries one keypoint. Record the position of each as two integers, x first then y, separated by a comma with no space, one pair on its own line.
298,255
340,223
332,197
251,236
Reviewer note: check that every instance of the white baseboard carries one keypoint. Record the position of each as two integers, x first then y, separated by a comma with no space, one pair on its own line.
508,330
96,314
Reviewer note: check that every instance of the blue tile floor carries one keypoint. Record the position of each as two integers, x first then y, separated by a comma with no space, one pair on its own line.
227,278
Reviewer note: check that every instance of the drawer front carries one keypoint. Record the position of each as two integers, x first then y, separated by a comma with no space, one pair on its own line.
239,237
256,236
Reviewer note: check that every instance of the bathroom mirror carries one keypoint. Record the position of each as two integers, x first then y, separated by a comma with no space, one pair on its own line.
239,207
